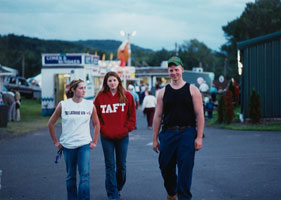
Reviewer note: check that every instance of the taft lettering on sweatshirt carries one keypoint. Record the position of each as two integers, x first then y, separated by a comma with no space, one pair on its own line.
116,119
115,107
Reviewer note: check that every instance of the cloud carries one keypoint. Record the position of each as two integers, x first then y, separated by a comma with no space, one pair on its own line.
159,23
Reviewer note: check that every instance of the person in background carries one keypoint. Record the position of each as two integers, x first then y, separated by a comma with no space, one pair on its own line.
148,107
18,102
205,101
1,100
134,94
136,97
157,89
144,92
75,140
117,114
179,108
210,108
9,100
137,89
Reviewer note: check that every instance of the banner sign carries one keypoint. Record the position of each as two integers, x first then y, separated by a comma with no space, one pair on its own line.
63,59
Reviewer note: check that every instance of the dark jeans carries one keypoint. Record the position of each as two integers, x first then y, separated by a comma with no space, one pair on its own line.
210,114
77,157
115,178
177,148
149,115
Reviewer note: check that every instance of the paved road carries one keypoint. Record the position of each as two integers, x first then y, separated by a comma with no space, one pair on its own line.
233,165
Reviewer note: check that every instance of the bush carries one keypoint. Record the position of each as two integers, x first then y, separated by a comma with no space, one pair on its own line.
255,107
221,109
229,107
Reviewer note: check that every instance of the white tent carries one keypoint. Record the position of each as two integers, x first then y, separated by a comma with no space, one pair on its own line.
37,80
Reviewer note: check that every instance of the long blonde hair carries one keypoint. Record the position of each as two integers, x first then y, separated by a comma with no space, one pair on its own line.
120,88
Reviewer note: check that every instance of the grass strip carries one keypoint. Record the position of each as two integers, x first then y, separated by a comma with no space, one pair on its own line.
31,120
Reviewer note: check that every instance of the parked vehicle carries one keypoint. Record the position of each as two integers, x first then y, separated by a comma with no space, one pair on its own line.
25,88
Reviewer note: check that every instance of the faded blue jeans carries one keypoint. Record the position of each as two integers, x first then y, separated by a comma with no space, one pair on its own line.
77,157
115,174
177,149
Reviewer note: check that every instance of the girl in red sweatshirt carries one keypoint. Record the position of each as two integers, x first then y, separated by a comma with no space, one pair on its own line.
117,114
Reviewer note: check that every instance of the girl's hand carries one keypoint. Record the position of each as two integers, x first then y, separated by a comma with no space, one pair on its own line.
58,145
93,145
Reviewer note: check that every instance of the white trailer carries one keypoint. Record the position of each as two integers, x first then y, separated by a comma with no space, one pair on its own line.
58,70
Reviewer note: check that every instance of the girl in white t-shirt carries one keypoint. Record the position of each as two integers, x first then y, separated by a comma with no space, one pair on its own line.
76,140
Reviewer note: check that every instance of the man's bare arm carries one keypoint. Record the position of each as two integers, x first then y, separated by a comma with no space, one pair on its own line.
198,109
157,119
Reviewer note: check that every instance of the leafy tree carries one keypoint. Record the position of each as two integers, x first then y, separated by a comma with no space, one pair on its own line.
13,49
195,54
259,18
156,58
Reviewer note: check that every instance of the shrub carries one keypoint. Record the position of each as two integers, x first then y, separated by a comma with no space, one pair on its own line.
221,109
229,107
255,107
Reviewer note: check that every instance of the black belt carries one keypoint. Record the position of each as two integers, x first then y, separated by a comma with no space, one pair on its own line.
177,127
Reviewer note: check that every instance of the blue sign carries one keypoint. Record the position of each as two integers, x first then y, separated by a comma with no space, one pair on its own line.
91,60
63,60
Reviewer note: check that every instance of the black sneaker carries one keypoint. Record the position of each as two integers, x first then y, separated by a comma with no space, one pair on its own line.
120,196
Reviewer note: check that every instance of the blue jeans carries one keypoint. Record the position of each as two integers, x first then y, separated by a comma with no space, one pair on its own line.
177,148
77,157
115,176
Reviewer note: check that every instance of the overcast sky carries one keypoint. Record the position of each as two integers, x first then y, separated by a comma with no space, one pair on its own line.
158,23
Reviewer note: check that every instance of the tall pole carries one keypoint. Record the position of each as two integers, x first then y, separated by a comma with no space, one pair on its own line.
225,67
130,51
176,49
22,65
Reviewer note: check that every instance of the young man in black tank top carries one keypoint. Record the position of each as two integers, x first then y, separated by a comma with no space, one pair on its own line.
179,109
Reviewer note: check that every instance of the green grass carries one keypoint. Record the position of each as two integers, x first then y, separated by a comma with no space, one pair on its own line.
273,126
31,120
246,126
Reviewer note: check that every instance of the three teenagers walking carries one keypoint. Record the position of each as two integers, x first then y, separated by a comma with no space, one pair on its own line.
177,133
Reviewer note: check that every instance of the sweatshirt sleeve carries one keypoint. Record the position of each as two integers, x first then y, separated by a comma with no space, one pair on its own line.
97,105
131,115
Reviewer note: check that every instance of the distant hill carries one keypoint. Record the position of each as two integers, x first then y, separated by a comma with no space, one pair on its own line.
15,42
13,49
108,45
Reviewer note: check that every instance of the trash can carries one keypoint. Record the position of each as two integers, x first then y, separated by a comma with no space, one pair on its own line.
3,115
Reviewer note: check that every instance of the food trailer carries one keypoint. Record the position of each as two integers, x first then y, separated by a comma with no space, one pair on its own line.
58,70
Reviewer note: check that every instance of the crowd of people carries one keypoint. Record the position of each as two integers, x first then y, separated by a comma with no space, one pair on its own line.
176,115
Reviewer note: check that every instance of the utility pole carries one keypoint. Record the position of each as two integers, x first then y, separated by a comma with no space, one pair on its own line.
224,68
22,65
176,49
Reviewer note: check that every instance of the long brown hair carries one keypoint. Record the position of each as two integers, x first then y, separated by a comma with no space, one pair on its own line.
120,88
72,85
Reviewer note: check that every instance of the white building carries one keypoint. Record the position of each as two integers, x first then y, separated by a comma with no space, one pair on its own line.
58,70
